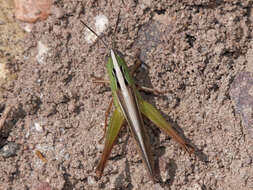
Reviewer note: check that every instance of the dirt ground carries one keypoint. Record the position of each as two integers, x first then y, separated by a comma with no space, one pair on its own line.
52,114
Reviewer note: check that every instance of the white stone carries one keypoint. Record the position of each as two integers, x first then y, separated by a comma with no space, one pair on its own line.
101,23
91,180
42,50
28,27
38,127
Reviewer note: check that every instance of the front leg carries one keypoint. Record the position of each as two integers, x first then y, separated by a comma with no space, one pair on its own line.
133,69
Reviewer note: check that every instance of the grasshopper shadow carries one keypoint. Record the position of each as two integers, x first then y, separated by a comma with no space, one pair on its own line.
155,131
127,177
170,169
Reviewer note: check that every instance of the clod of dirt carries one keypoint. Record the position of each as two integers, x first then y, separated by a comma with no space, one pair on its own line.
59,13
9,150
241,93
32,10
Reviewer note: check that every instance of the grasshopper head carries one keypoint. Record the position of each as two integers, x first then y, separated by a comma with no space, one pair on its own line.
123,70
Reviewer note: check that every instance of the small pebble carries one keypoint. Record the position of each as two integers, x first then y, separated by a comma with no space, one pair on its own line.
9,150
67,156
27,135
10,139
42,52
31,146
100,147
143,66
91,180
25,147
28,27
72,107
38,127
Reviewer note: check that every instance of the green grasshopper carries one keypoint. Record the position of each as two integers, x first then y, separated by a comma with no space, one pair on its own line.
129,106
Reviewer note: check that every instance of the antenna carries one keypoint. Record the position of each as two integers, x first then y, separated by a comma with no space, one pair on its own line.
115,29
94,33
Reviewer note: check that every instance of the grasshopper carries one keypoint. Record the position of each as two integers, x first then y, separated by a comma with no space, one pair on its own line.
130,106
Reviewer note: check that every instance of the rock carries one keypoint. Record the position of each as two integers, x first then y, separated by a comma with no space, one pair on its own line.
32,10
9,150
242,96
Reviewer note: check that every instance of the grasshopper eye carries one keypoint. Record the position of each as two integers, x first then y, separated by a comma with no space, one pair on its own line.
122,69
107,58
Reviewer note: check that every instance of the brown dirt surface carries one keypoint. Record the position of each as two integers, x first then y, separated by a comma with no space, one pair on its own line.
198,51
